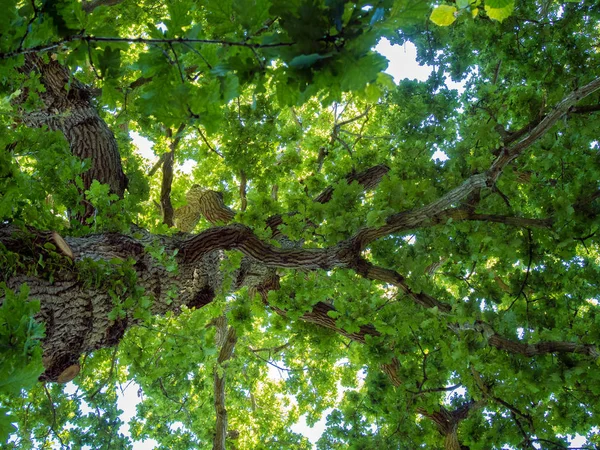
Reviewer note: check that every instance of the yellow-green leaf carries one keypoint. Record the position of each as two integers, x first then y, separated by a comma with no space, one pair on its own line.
500,14
443,15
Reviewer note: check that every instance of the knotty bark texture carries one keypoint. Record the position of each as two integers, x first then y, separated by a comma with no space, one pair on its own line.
68,107
447,422
76,309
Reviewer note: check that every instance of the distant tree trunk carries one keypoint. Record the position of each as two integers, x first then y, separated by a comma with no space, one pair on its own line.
225,339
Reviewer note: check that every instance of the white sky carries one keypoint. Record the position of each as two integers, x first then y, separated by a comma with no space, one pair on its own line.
403,61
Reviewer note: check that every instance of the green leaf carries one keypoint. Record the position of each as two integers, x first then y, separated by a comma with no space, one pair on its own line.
303,61
6,426
500,14
333,314
277,102
229,87
178,13
443,15
109,61
499,4
355,74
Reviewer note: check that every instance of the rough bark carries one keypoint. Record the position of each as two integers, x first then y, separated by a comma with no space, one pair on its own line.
202,203
414,218
76,309
318,315
68,107
368,178
78,313
530,350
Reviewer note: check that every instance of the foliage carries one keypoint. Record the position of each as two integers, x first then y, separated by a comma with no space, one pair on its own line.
21,354
446,14
291,97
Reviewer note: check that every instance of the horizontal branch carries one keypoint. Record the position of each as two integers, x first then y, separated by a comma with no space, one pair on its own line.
392,277
137,40
530,350
372,272
271,350
584,109
242,238
458,214
319,315
439,389
414,218
195,252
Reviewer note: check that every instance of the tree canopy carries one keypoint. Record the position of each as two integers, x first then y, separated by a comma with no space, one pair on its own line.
418,302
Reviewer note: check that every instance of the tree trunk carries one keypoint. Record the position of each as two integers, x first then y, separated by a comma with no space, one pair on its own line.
76,304
68,107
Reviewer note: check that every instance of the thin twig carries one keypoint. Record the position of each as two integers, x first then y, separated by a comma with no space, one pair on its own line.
199,54
276,349
137,40
53,426
177,63
28,29
529,239
89,51
211,148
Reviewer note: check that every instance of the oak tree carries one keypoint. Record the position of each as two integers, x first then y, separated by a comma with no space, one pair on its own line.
420,264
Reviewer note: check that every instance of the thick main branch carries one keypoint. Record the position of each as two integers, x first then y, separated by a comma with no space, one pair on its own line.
414,218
